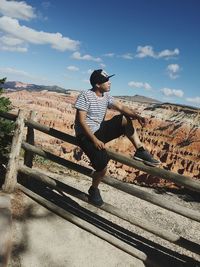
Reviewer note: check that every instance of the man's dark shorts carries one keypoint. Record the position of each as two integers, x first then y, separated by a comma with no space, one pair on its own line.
109,130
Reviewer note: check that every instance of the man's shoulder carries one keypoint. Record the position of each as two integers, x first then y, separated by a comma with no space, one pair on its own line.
86,93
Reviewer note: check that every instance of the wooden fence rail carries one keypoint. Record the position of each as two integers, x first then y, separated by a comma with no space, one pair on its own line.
169,205
178,179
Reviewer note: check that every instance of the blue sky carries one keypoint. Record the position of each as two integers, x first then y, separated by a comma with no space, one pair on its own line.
153,46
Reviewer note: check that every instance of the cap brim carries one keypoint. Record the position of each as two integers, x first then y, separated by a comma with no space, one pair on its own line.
111,76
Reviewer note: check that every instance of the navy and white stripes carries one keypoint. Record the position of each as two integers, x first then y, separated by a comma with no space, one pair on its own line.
95,107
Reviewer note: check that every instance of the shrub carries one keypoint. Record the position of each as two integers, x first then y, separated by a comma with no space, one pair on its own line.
6,126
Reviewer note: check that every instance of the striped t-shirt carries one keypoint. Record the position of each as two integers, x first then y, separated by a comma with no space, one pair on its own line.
95,107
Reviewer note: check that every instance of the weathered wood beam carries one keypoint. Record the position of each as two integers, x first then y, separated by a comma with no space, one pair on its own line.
52,132
178,179
66,163
167,235
8,116
169,205
28,156
12,166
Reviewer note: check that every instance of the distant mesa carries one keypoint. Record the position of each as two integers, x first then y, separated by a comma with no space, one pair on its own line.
139,98
18,86
13,86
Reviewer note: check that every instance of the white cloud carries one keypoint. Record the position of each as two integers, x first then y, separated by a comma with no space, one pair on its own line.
109,55
13,48
148,51
145,51
173,71
172,92
56,40
9,43
127,56
14,74
77,55
8,70
168,53
173,67
18,10
139,85
72,68
195,100
102,65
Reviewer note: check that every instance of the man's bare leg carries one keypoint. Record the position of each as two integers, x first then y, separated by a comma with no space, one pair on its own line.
97,177
131,132
94,193
140,154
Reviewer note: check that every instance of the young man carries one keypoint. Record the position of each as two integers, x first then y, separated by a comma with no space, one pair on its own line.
92,131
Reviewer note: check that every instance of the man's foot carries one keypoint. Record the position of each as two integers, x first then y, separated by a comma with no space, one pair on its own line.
95,197
143,155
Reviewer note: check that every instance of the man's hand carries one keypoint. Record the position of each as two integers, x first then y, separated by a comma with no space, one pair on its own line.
99,144
142,121
82,119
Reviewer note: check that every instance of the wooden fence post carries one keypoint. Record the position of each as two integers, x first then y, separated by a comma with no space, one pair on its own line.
28,156
12,167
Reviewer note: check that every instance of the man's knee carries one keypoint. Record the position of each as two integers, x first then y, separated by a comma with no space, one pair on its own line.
100,160
102,172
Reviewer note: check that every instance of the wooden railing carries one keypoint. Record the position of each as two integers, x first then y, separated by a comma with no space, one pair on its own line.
15,171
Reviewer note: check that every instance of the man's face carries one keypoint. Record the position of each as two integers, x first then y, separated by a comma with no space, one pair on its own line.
105,87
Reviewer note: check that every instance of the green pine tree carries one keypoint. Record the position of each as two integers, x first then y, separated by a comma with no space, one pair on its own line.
6,126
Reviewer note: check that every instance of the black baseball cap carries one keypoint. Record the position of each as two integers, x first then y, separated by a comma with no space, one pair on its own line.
99,76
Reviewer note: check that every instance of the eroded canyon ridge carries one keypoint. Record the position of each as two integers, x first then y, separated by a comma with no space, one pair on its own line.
171,135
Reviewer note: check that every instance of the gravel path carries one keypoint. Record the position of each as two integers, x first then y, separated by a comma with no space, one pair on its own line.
138,208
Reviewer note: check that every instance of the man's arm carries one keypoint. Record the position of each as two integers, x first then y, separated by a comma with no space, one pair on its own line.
129,112
81,116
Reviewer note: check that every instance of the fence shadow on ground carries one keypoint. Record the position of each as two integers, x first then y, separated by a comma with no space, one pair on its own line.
22,244
156,253
185,194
